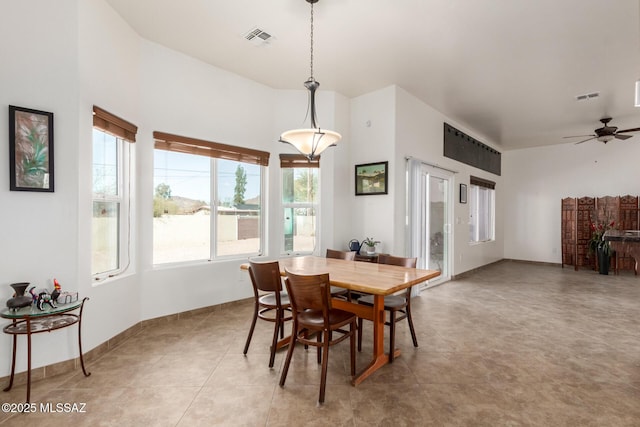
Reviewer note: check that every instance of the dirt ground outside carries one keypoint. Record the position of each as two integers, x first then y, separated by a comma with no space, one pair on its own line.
180,238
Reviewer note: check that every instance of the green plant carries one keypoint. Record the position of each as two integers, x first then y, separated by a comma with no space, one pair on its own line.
370,242
597,231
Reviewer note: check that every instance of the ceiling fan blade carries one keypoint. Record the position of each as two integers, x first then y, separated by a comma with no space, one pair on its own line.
629,130
580,136
623,137
593,137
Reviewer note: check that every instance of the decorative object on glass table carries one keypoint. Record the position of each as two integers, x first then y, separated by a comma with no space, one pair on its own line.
56,290
41,298
19,299
67,297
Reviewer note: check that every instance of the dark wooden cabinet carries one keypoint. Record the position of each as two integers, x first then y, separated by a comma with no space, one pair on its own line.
577,216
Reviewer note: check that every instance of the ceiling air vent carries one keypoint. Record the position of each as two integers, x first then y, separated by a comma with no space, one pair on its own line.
587,96
257,36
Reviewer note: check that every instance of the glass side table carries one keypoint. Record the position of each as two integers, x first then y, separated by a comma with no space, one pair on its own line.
30,320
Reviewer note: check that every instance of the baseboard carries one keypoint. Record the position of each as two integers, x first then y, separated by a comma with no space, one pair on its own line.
468,273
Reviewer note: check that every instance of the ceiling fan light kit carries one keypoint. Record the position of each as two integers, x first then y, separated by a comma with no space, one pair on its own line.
313,141
605,138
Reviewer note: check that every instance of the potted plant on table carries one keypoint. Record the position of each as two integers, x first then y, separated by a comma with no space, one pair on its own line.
370,245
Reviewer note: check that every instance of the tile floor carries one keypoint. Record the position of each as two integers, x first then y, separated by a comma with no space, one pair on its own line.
514,344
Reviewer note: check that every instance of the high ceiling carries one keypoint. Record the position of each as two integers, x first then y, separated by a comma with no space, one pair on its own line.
508,69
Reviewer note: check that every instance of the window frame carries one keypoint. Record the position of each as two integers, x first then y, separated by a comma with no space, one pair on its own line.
124,133
298,161
478,187
217,151
214,210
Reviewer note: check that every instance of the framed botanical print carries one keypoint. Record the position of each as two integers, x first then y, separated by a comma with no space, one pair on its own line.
30,150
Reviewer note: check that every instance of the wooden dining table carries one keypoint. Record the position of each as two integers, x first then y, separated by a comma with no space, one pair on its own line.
371,278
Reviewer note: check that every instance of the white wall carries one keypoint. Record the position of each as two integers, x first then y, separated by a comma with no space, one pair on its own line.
39,233
420,134
540,177
109,76
402,126
373,122
92,57
184,96
336,193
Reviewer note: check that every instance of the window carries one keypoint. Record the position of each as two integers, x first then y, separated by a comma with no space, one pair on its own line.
481,210
188,175
110,225
299,202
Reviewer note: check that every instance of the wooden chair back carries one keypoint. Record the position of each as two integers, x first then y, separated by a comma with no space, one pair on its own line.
265,276
309,292
402,262
346,255
312,313
397,260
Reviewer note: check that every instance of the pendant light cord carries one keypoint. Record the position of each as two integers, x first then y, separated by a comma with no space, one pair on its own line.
311,78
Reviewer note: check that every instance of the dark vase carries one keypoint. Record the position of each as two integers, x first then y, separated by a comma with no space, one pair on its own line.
603,258
20,299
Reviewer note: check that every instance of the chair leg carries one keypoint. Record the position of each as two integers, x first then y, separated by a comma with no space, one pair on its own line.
325,364
318,348
253,325
287,361
392,335
281,325
352,341
360,333
274,342
413,332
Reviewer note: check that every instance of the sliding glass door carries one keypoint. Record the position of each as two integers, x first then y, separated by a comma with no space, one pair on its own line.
430,218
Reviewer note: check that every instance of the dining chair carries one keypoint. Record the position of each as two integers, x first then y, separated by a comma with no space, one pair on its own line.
313,315
337,291
398,306
268,297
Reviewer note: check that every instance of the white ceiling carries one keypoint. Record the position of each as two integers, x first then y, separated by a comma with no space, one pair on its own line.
508,69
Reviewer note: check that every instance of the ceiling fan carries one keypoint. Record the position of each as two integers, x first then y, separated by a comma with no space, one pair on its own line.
606,133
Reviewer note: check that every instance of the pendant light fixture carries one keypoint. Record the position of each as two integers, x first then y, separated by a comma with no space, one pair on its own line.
313,141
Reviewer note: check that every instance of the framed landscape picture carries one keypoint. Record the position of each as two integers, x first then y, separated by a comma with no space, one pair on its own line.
372,178
30,150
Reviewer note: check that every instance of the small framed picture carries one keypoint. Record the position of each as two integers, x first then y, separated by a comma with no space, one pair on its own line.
463,193
30,150
372,178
